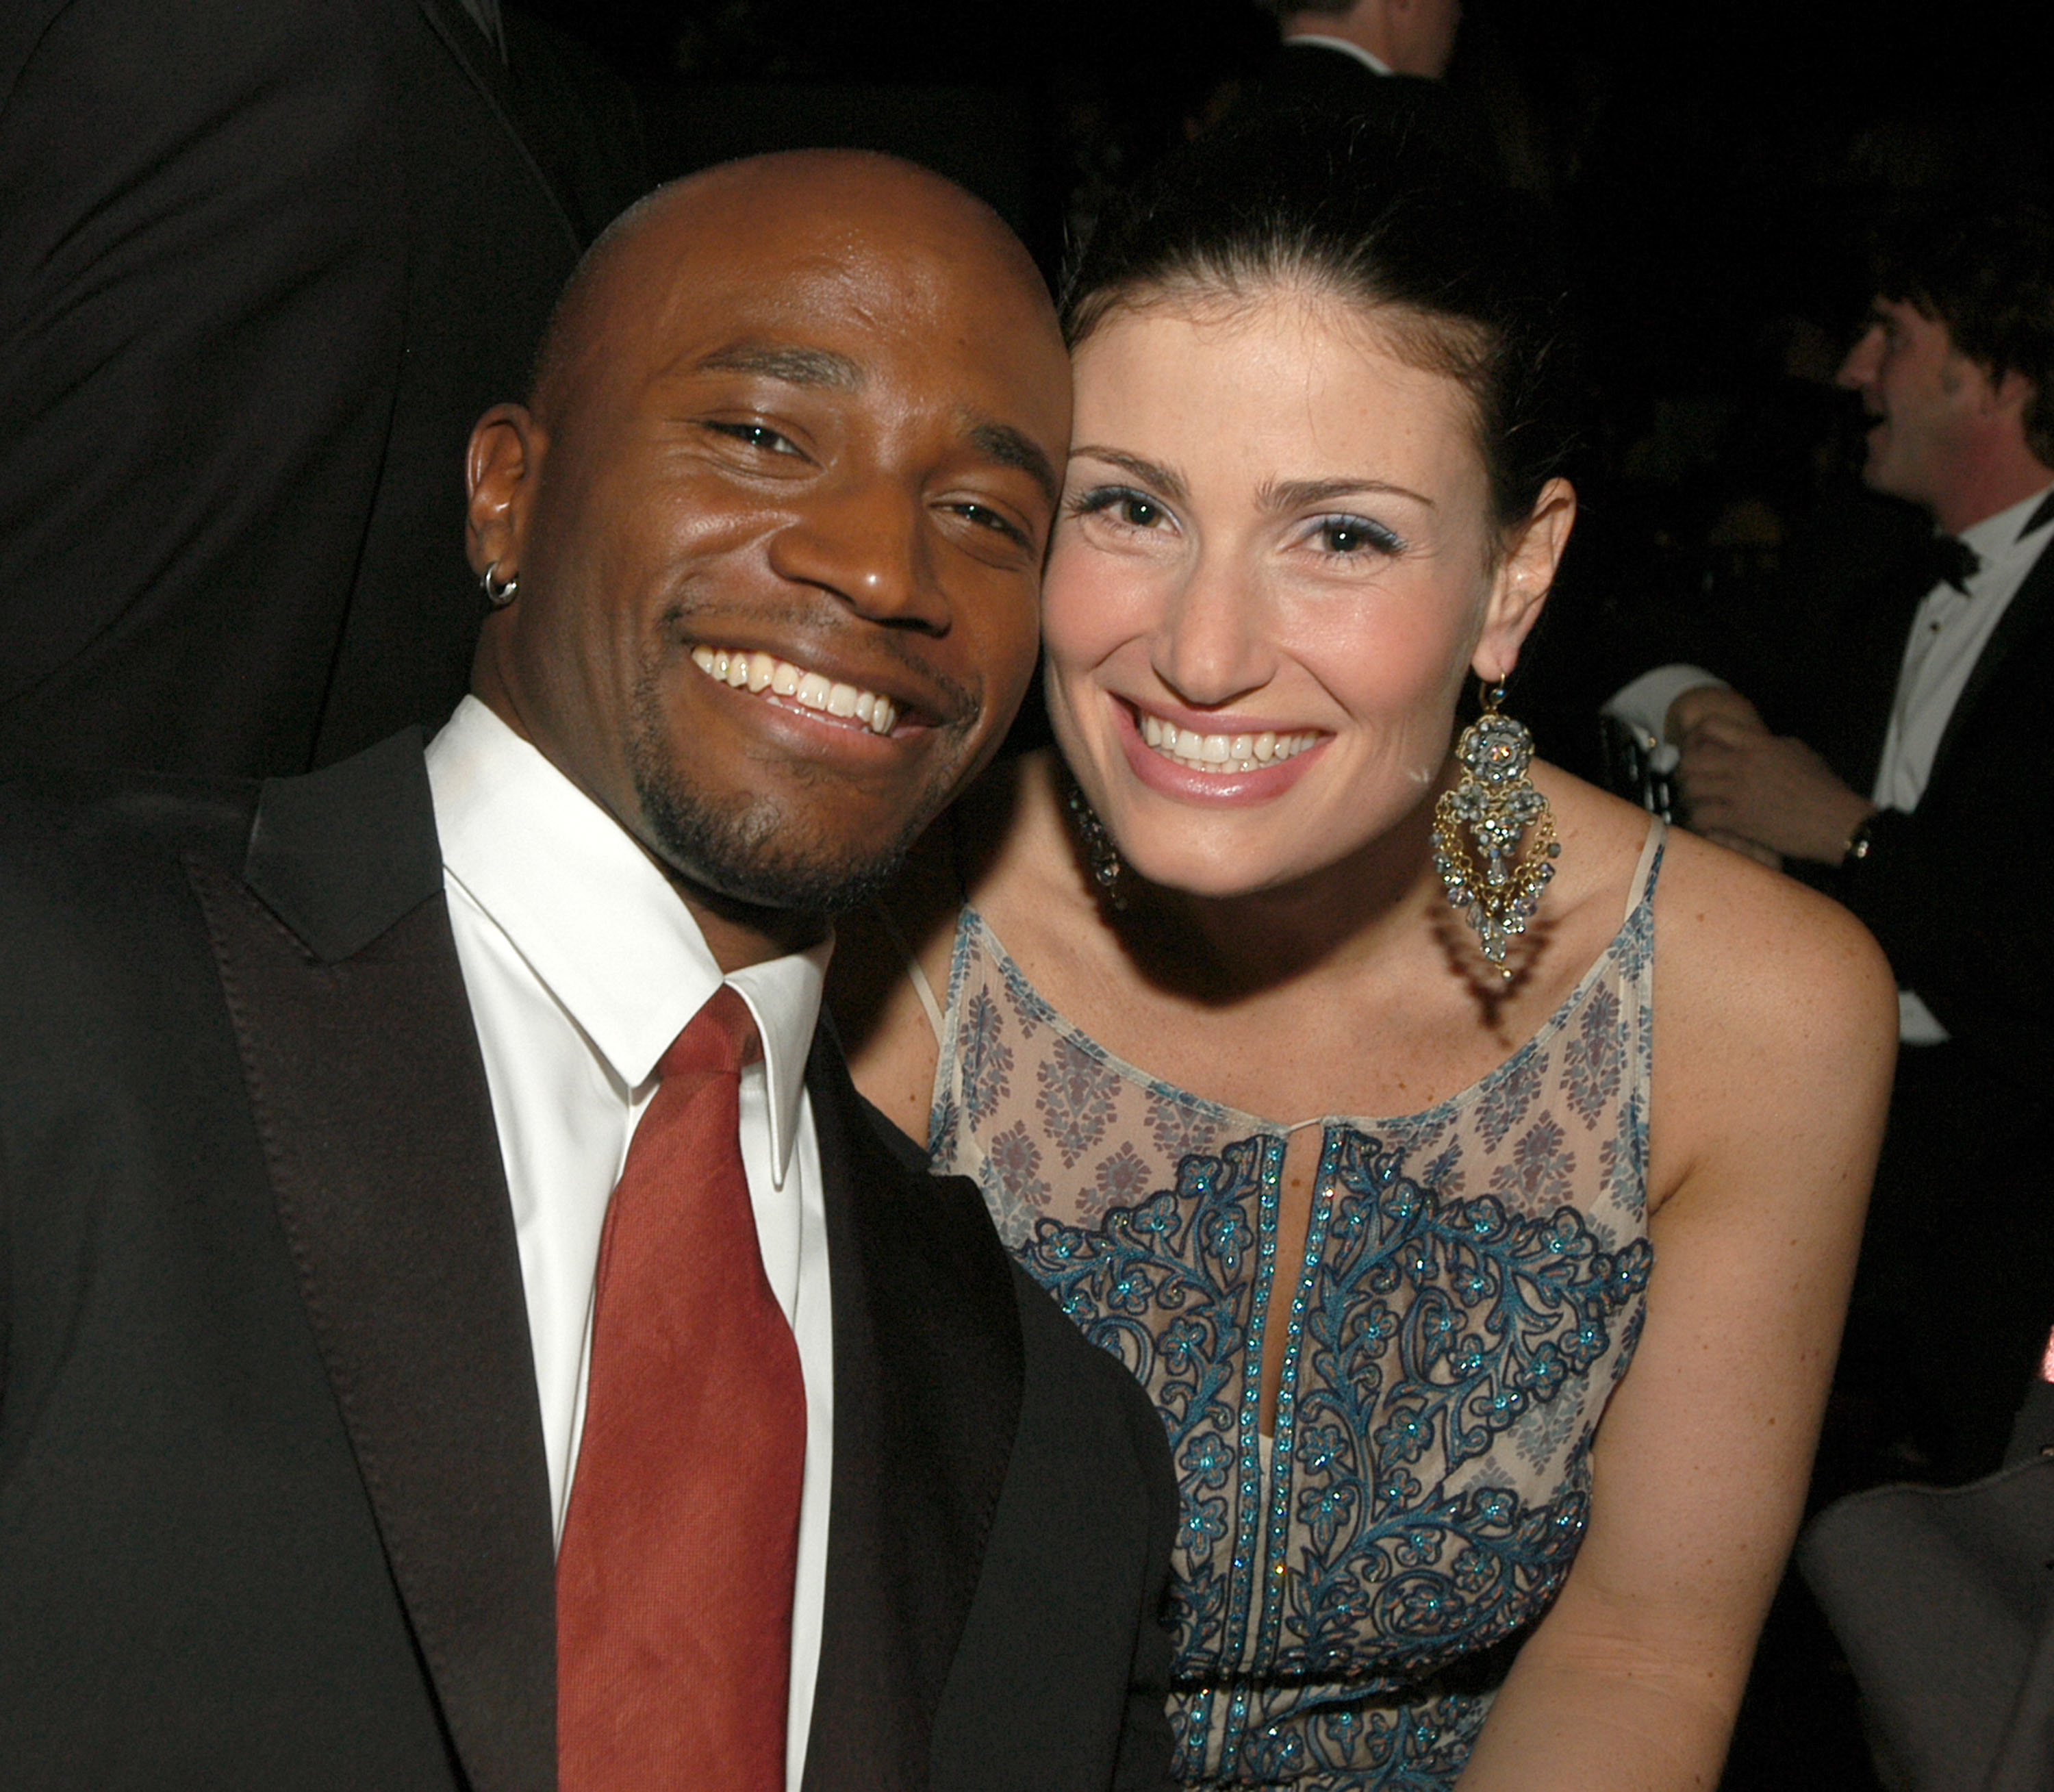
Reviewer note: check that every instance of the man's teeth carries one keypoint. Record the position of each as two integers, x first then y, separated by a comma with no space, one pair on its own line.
762,671
1220,752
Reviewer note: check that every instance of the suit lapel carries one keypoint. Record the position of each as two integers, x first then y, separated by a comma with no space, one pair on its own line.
369,1092
479,61
2027,611
928,1368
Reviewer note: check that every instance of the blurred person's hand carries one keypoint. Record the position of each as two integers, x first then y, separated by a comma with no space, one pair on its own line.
1741,843
1702,702
1737,780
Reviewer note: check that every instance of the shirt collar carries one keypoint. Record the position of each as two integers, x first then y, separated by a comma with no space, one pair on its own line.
1995,536
1374,63
603,929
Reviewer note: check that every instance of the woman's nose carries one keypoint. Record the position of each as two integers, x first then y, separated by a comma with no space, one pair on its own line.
1210,645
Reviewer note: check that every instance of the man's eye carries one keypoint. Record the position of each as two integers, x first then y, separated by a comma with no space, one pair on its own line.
757,436
985,517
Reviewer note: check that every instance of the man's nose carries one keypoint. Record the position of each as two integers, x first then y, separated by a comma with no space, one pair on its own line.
868,541
1858,369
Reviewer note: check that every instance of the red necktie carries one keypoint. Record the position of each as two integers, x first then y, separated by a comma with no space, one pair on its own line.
674,1579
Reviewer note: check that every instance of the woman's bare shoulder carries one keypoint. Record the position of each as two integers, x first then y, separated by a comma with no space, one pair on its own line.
1748,943
1731,933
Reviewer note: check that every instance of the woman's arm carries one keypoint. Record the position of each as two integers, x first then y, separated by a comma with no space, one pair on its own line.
1775,1038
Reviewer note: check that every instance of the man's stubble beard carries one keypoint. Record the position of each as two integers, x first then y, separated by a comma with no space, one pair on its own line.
747,852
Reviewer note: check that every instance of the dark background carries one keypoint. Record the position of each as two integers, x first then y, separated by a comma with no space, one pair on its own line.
1713,175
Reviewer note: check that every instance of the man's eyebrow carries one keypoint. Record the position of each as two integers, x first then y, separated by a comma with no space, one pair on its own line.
1010,447
795,366
1298,495
1164,480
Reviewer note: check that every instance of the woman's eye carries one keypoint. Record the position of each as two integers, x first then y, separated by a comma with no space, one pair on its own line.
1354,535
1131,508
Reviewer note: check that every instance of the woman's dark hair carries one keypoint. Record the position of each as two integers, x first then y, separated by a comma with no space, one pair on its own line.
1395,217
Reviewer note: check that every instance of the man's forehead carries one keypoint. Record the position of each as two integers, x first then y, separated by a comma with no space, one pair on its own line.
1903,308
774,308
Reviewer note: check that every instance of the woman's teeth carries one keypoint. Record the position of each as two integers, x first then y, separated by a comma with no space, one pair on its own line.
760,672
1219,753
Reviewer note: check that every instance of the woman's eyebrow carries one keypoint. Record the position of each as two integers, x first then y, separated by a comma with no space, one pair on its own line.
1164,480
1295,495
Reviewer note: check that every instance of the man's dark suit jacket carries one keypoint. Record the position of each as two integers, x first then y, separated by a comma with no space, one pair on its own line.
261,268
274,1507
1314,78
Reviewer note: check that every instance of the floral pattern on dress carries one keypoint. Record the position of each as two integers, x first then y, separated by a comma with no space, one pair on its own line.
1508,1092
1012,1187
986,1059
1472,1287
1591,1060
1079,1093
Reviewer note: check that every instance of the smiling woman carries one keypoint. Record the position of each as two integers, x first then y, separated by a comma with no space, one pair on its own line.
1490,1308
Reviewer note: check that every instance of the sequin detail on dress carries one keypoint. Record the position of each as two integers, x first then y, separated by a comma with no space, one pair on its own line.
1473,1288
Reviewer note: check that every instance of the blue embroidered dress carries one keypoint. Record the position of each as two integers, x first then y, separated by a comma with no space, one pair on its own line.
1348,1595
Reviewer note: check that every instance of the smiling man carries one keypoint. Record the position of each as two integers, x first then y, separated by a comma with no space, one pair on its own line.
460,1328
1888,755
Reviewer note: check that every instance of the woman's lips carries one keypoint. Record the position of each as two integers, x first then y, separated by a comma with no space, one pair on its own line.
1221,753
1221,767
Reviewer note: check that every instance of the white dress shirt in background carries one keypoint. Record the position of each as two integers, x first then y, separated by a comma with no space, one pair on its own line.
1948,636
1375,64
583,964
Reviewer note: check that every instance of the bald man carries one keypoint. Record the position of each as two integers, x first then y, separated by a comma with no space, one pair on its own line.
334,1449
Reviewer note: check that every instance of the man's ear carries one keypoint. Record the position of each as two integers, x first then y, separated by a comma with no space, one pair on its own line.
501,470
1525,574
2011,391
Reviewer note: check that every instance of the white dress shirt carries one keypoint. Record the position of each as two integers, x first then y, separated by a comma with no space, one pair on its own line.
1948,636
582,964
1347,46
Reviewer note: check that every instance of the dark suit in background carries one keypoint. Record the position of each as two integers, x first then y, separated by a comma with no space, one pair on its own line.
1951,1301
273,1504
260,269
1316,77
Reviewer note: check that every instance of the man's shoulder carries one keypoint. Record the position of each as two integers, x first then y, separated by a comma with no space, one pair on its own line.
51,815
97,906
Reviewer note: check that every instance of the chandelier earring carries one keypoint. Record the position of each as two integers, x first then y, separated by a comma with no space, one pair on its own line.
1494,877
497,594
1101,855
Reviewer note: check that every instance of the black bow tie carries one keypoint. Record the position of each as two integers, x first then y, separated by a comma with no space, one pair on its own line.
1951,561
1948,560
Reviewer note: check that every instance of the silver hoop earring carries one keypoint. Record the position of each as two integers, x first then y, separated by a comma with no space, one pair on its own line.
1496,886
499,596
